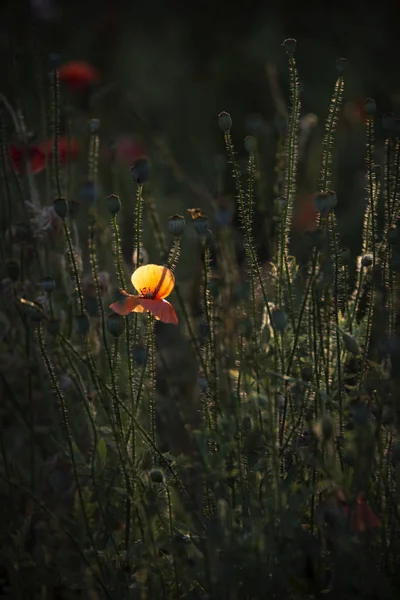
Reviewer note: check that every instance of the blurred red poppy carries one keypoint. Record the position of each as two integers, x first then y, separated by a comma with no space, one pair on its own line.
78,74
362,516
33,155
37,155
305,214
68,149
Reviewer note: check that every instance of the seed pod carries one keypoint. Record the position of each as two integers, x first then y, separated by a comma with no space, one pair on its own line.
200,225
369,107
250,144
225,121
140,171
342,64
290,46
113,204
157,476
48,284
325,201
176,225
115,324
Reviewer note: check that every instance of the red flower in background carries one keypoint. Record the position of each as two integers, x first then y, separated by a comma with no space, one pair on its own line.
33,154
362,516
305,214
38,155
78,74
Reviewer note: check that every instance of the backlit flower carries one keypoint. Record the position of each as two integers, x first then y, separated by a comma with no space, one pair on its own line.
154,283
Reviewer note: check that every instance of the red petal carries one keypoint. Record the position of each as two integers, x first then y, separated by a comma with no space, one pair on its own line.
161,309
126,306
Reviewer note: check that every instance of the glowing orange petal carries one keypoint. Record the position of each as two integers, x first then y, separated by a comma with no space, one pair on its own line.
161,309
126,306
153,281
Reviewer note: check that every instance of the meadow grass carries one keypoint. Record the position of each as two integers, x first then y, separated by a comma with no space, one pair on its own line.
274,474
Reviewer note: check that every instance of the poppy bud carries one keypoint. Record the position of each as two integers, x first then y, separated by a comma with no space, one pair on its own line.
115,324
13,269
157,476
82,323
369,107
113,204
351,344
60,206
53,327
48,284
290,46
325,201
176,225
224,121
342,64
140,171
250,144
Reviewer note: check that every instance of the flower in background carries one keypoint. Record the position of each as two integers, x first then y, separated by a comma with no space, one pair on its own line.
305,214
154,283
78,75
38,155
128,149
362,517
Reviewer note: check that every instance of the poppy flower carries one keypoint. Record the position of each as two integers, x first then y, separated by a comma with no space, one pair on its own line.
362,516
305,215
68,149
78,74
34,155
154,283
37,155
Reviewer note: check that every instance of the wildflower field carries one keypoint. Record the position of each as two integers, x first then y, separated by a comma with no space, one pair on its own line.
198,400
